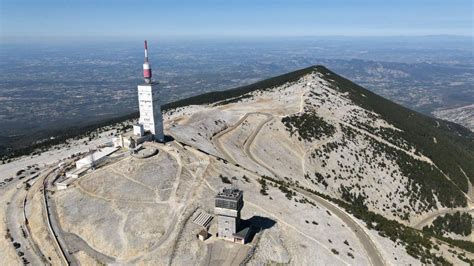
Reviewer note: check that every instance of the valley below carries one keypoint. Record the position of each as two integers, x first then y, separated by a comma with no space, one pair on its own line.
331,174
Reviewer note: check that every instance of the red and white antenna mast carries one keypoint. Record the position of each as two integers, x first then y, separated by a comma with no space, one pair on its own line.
146,66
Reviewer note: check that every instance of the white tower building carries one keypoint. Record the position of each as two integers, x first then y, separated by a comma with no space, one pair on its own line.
149,103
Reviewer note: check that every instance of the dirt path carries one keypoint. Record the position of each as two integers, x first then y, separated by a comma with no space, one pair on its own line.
409,153
381,140
431,216
175,224
80,244
470,188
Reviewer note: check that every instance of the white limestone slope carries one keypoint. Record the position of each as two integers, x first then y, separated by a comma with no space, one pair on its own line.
346,158
349,159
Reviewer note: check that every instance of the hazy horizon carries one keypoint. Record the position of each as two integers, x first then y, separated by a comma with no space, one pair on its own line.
50,19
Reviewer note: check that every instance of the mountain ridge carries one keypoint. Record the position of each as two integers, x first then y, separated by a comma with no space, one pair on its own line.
447,144
436,141
333,179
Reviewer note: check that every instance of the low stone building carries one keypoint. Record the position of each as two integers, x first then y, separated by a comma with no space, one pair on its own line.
203,235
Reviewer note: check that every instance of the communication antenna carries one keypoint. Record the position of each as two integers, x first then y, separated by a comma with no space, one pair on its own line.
146,66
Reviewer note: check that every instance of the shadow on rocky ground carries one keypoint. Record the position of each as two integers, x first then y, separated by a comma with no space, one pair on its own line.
257,224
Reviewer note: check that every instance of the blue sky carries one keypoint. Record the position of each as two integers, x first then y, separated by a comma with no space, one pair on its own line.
24,19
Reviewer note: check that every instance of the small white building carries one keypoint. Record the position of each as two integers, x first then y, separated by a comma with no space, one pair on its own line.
76,173
95,158
61,186
65,183
203,235
138,130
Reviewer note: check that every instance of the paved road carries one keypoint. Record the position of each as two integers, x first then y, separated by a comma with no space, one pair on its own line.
373,253
15,223
250,140
28,198
52,221
215,139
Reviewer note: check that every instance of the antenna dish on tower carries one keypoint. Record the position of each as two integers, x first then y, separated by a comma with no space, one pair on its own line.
146,66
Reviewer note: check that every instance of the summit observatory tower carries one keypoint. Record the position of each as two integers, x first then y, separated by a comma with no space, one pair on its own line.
151,119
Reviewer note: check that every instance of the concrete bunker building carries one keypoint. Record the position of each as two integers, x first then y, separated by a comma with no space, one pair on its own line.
228,204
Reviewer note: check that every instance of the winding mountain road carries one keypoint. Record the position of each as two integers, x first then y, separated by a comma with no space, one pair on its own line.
216,138
250,140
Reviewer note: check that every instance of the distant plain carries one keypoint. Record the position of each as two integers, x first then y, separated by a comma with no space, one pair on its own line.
45,88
